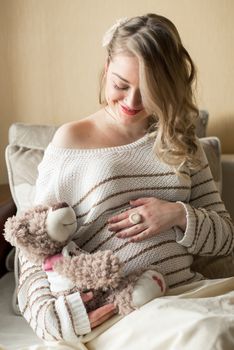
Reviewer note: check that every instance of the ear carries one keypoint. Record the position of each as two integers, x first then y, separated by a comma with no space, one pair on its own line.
11,230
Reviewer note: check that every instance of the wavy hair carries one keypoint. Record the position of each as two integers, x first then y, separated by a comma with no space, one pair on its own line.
166,74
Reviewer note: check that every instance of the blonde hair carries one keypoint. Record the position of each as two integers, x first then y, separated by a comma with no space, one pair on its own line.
166,73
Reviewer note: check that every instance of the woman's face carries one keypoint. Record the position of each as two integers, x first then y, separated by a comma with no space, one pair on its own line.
122,89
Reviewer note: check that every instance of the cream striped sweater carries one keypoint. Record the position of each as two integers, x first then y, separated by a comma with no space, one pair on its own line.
100,183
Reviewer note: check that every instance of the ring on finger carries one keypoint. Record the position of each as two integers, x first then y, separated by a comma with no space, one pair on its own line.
135,218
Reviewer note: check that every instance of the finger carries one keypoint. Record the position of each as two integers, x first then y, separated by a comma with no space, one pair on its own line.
132,231
103,319
139,201
96,322
118,217
141,236
86,296
114,227
99,313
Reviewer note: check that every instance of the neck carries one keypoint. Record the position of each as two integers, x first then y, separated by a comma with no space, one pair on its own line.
131,132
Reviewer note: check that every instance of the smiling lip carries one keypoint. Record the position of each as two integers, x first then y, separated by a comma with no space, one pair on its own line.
129,111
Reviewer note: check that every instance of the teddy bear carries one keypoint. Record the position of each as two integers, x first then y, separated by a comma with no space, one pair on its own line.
44,233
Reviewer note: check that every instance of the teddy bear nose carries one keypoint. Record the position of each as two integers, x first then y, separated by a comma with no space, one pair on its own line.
59,206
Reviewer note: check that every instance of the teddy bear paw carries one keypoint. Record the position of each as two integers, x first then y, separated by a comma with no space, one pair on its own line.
149,286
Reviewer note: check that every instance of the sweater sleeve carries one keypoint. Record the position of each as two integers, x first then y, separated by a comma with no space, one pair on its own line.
209,229
61,318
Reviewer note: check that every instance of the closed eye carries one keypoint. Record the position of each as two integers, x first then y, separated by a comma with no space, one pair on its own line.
120,88
71,223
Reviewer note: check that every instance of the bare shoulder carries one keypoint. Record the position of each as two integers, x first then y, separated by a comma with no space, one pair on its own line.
74,134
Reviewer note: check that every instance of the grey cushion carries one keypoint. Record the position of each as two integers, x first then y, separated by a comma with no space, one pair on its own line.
201,124
26,147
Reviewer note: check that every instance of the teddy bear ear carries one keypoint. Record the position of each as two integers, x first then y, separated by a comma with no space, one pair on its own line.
12,230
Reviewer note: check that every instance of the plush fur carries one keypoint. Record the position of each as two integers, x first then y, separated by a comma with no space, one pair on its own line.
34,231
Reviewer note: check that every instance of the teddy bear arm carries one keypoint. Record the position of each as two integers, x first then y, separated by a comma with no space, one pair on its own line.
91,271
136,290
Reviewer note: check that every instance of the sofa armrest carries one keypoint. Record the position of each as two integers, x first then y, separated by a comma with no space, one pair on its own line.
227,161
7,209
212,148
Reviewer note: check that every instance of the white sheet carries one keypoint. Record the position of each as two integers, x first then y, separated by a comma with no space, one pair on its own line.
14,330
196,316
201,316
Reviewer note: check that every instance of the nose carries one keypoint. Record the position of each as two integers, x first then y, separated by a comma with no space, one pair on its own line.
59,206
133,100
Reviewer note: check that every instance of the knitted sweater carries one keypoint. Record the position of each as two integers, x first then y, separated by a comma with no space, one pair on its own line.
99,183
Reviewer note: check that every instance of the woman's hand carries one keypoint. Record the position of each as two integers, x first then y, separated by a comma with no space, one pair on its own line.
156,216
96,317
100,315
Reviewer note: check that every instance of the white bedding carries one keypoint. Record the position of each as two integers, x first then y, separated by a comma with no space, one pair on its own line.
14,330
196,316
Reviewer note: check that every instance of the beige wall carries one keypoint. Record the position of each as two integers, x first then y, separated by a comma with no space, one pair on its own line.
51,58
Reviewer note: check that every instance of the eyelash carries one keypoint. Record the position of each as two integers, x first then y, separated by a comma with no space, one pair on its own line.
119,88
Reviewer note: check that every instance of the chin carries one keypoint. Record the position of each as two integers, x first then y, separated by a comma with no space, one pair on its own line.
123,117
131,116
